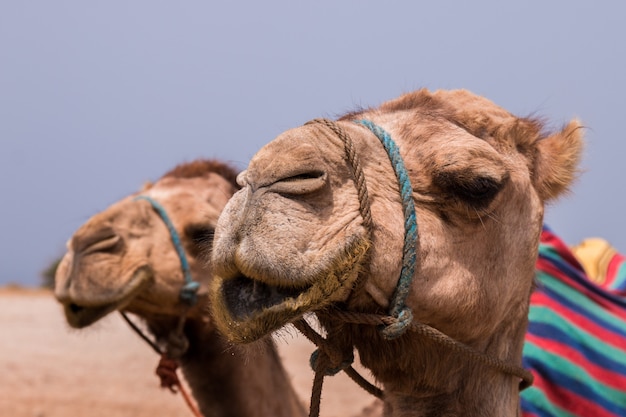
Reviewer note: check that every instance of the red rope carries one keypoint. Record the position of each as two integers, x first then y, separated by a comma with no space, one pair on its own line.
166,370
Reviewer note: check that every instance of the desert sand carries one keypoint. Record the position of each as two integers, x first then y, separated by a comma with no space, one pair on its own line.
50,370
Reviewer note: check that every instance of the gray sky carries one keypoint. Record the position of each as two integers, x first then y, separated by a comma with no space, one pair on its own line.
98,97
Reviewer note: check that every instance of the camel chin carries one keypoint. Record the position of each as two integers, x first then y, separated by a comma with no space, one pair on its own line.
246,309
83,313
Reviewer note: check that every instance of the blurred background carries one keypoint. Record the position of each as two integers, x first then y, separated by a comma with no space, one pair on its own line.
98,97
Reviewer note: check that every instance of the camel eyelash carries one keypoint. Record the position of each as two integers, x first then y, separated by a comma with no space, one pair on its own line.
201,238
476,191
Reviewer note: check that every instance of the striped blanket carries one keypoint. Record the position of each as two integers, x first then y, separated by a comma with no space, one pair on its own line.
576,340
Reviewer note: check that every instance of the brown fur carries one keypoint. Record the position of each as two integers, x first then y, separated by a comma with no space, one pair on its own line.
480,179
123,259
202,167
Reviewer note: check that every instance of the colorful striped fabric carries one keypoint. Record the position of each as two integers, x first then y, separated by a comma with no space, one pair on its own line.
576,340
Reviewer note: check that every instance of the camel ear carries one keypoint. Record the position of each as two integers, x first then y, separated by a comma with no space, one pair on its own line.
557,161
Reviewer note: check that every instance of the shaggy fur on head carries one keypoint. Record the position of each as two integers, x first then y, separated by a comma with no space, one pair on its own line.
201,167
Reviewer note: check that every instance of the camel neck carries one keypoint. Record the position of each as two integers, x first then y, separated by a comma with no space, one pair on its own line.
432,380
243,381
491,400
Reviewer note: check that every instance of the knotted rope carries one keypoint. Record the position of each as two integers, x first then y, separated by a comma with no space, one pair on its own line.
442,339
189,291
169,379
166,369
328,360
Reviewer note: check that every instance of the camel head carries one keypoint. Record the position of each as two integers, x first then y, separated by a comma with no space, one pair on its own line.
293,239
123,258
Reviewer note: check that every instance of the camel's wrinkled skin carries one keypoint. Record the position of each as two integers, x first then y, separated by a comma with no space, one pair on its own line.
123,259
480,179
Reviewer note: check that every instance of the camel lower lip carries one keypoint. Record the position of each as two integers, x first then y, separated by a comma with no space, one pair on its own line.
79,316
83,311
245,296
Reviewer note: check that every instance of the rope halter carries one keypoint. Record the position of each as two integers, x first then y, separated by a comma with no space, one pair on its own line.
402,314
400,318
399,311
177,343
189,290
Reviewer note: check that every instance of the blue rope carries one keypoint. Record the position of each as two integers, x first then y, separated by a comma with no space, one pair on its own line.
399,310
189,291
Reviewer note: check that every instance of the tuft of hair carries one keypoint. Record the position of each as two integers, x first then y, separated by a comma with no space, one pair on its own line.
201,167
557,161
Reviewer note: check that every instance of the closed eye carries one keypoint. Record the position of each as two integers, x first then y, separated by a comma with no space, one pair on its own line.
305,176
301,183
479,190
199,240
476,190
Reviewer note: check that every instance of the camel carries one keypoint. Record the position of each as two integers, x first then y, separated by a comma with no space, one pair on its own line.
319,227
123,259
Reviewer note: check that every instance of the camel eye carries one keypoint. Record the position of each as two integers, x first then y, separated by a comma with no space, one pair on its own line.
200,239
480,189
301,183
305,176
477,191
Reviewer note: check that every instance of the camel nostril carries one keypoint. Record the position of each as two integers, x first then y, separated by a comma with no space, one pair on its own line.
108,244
242,180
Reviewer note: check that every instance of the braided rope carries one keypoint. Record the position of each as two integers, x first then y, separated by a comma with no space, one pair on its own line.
357,170
189,291
443,339
399,310
328,360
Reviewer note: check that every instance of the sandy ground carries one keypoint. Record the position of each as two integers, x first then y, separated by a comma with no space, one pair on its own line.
50,370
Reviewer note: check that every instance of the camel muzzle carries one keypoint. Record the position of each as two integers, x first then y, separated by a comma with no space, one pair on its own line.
246,310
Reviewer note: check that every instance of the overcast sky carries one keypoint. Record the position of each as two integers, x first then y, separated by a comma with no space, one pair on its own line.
98,97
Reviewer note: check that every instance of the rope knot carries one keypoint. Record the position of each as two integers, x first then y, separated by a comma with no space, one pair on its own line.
398,325
166,370
189,292
315,359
